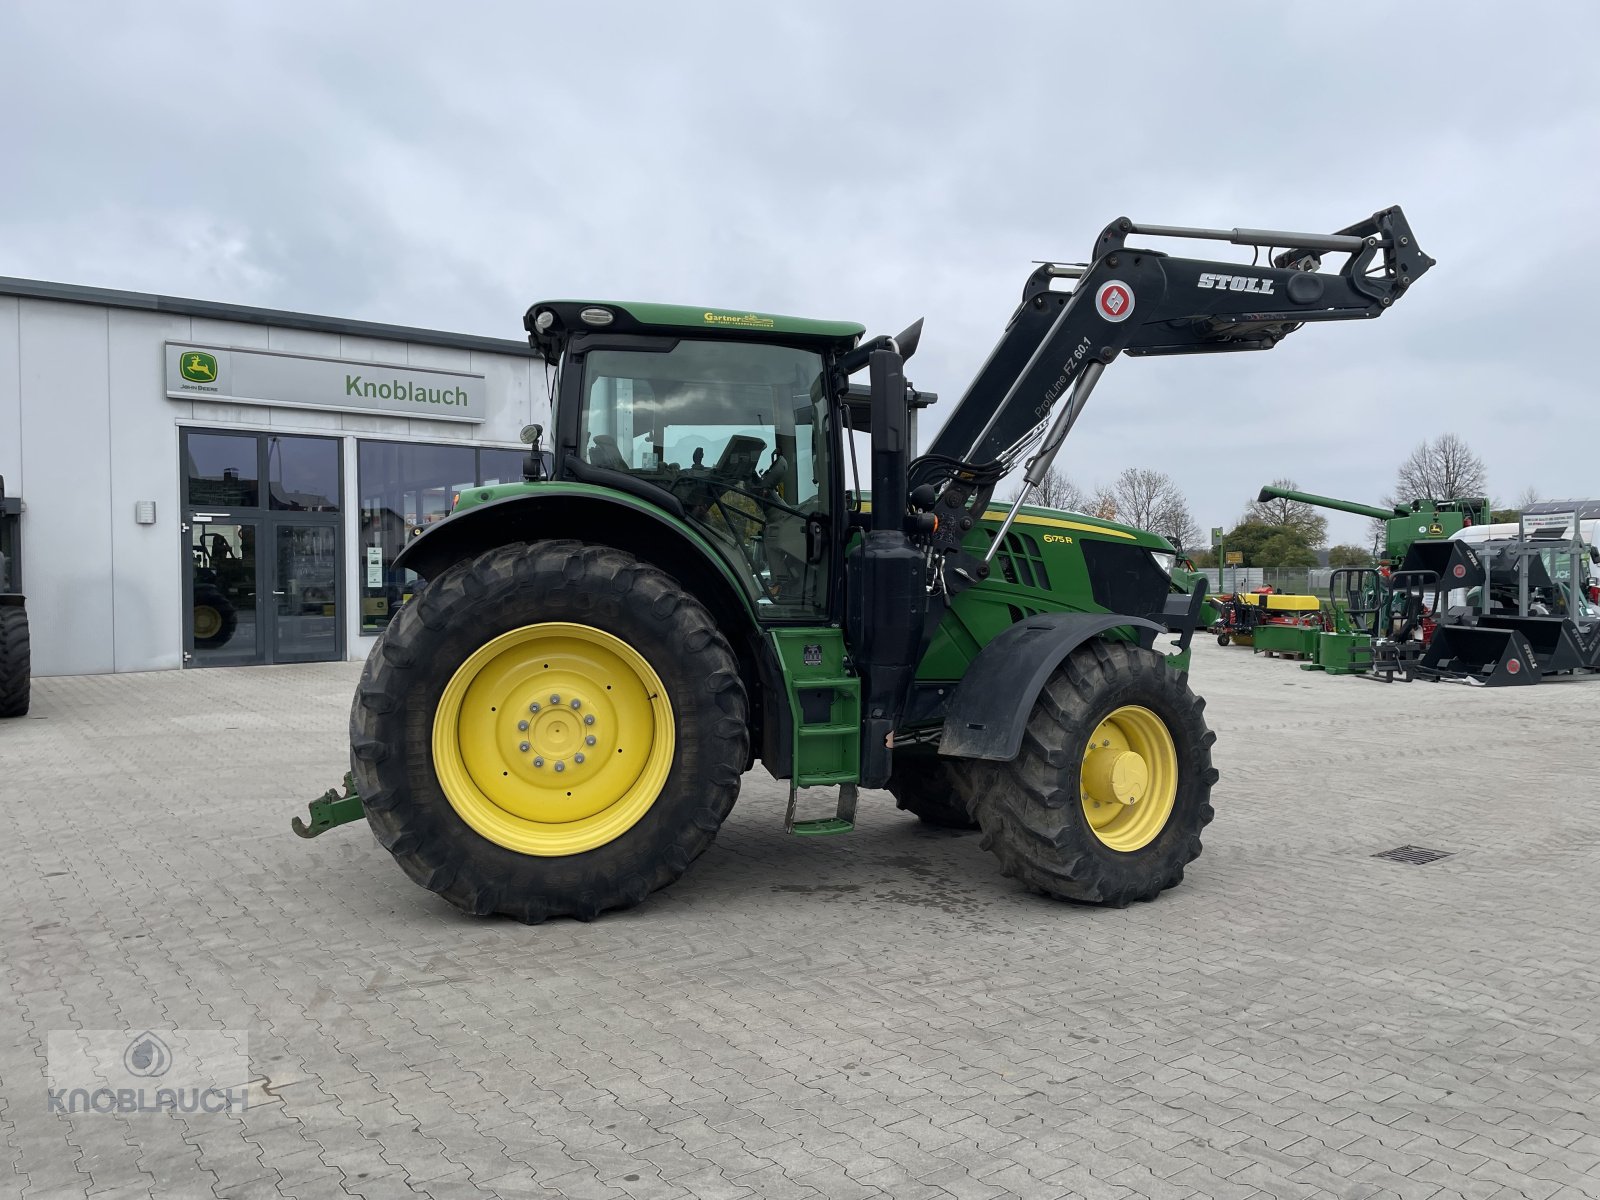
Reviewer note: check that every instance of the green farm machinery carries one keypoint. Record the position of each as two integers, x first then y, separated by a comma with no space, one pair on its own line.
15,650
1404,523
701,575
1442,608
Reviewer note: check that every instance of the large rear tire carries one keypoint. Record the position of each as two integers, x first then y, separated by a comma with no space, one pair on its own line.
1106,800
931,789
549,729
16,661
215,618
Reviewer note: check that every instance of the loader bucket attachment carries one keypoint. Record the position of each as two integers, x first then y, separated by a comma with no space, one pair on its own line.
1474,653
1555,641
1456,564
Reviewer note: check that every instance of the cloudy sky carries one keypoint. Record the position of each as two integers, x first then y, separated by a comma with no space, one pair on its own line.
444,166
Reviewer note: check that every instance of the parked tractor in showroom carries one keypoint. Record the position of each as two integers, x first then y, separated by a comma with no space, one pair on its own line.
15,652
558,721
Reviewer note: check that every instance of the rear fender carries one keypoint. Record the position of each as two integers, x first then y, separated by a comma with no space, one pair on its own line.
990,709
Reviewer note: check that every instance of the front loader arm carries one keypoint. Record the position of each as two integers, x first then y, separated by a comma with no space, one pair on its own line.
1144,302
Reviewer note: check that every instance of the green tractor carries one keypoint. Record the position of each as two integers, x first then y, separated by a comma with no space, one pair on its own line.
700,573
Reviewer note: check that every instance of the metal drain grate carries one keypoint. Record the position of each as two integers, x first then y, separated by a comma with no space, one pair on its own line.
1417,855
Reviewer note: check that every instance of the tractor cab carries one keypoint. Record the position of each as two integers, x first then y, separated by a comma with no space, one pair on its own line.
726,420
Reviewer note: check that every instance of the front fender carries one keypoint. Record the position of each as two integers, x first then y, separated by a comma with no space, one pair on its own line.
990,709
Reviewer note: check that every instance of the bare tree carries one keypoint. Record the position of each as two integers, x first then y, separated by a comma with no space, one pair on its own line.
1151,500
1304,519
1058,491
1527,498
1443,469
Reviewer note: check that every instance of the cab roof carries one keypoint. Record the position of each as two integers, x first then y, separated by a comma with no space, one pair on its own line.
562,318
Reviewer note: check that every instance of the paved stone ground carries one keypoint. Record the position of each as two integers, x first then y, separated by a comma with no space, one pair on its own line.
880,1014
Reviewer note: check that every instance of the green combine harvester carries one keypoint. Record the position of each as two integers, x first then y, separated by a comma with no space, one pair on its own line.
705,576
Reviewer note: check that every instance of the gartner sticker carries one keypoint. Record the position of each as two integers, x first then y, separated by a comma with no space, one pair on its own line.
1114,300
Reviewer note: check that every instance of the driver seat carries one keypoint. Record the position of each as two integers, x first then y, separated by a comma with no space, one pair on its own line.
603,453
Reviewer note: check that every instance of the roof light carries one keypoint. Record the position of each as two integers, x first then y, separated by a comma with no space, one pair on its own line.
544,320
596,316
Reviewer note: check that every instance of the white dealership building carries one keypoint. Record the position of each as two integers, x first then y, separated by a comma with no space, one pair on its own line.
206,484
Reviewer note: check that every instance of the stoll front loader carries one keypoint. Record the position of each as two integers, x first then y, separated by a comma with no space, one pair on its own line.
558,720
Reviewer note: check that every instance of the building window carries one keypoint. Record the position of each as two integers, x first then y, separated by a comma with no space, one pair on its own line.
303,474
404,488
221,469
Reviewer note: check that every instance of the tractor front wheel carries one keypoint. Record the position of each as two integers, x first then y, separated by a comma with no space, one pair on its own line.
15,661
930,789
1107,798
549,729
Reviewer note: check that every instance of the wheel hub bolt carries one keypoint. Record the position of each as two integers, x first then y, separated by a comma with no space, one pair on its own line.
560,766
577,704
555,699
588,719
534,707
522,726
539,762
578,757
523,746
589,741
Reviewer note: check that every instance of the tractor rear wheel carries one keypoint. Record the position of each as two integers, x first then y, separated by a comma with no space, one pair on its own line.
549,729
215,618
930,789
15,661
1107,798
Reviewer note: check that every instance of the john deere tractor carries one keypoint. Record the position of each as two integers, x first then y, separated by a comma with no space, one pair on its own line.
704,575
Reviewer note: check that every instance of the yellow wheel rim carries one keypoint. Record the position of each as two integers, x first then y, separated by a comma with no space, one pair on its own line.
1128,781
553,739
207,621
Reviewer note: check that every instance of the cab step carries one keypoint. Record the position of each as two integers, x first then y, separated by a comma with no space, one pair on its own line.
843,820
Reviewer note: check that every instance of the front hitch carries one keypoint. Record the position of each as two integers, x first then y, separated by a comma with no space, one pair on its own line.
330,809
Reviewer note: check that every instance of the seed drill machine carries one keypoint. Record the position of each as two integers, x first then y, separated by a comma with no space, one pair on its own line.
558,721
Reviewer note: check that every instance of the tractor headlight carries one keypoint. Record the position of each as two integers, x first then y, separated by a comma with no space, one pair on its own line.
1165,561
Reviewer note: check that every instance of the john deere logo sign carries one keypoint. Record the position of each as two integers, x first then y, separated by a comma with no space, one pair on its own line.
290,380
198,367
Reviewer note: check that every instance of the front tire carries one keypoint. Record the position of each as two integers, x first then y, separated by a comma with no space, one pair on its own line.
549,729
16,661
931,789
1107,797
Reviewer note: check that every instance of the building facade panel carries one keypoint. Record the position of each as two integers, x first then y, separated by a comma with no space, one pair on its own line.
146,560
66,530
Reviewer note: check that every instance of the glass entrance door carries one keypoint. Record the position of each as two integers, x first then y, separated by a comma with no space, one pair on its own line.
305,592
223,625
262,543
